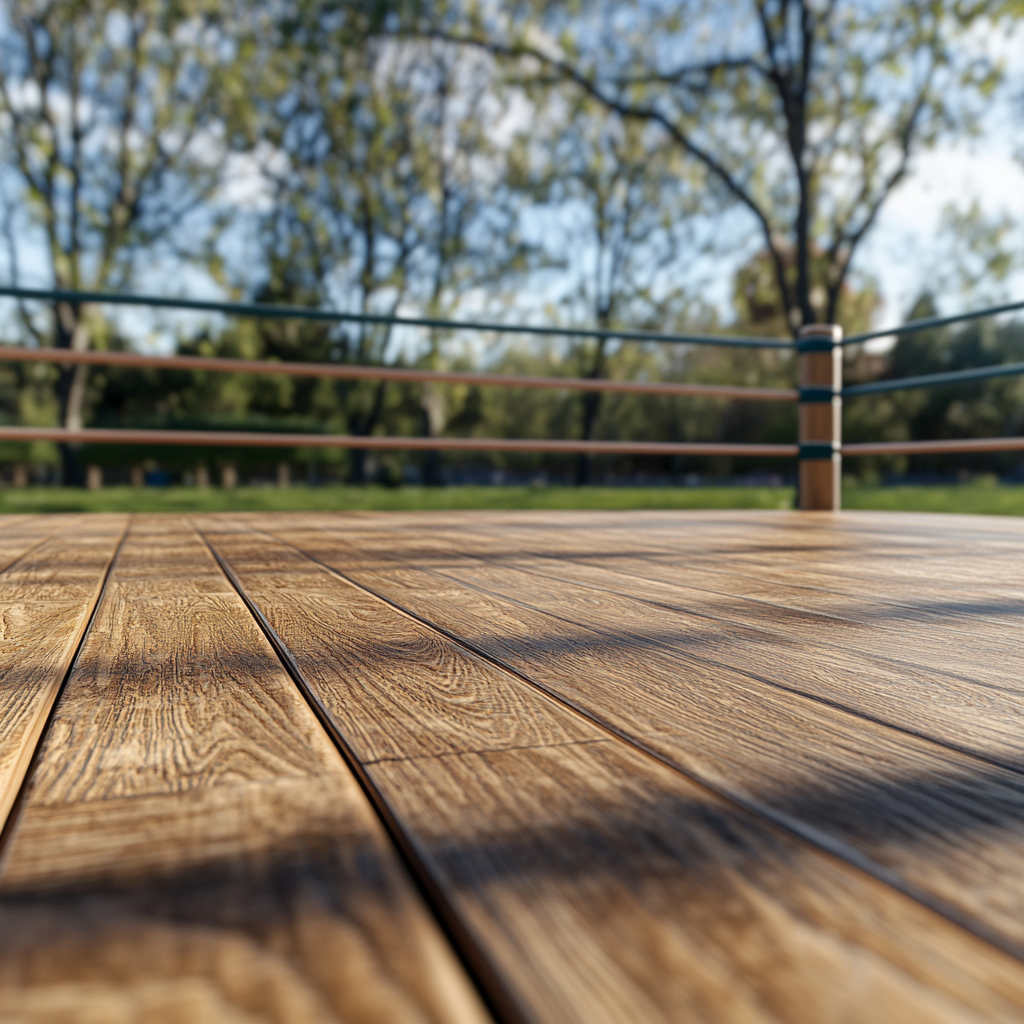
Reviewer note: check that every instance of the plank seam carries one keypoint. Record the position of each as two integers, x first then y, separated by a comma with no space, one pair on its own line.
883,627
658,558
495,994
835,705
9,825
667,558
806,833
32,547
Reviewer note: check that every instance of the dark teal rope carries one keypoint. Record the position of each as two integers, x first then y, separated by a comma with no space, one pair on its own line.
302,313
256,309
933,321
935,379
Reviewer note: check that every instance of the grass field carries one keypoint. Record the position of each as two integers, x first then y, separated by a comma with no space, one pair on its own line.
215,499
984,498
979,497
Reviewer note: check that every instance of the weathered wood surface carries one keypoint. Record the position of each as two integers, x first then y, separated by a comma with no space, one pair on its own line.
51,573
899,804
191,846
910,635
649,767
910,625
565,853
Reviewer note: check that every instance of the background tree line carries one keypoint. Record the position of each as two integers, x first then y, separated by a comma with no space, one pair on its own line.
537,162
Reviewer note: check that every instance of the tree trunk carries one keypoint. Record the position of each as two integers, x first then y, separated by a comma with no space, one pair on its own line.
434,421
591,405
72,333
362,426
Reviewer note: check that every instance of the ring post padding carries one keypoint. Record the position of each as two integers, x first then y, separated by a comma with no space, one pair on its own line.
820,356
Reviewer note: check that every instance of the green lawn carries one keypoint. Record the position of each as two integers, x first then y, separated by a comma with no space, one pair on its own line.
214,499
981,497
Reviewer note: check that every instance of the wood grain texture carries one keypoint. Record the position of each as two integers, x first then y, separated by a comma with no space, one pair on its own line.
946,668
13,527
191,846
19,534
616,891
948,826
603,885
50,582
913,644
921,625
788,565
438,697
946,683
942,682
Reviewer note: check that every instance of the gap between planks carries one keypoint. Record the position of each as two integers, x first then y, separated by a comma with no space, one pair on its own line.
28,698
558,700
823,839
124,909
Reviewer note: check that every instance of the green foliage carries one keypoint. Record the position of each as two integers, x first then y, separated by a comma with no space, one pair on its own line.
987,408
755,295
804,115
113,124
393,153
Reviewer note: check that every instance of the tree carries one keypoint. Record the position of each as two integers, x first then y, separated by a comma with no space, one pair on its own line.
807,114
113,127
755,295
985,408
383,191
628,200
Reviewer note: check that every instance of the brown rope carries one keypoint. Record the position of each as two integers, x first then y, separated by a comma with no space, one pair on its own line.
254,439
972,444
341,371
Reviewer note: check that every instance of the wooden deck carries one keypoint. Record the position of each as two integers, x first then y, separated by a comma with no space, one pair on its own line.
544,767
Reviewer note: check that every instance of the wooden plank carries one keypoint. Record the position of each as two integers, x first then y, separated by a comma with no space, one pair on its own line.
610,551
749,550
889,575
48,589
946,827
191,845
18,534
843,561
898,550
753,552
969,619
353,635
9,521
911,651
602,885
949,683
710,914
952,686
792,542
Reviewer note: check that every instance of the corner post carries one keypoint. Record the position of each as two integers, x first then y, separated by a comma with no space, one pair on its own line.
820,355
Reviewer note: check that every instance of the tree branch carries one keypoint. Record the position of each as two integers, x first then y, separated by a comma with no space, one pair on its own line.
643,113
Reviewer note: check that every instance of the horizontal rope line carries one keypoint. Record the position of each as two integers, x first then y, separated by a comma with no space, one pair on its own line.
971,444
934,379
341,371
257,309
933,321
254,439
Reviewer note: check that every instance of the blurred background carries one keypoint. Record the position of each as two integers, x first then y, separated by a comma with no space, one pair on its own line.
736,166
